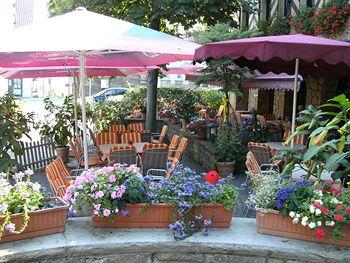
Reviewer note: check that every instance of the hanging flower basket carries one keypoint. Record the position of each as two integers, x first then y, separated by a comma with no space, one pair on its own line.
274,223
160,216
42,222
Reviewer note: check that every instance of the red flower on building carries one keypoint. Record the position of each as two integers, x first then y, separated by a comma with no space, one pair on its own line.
347,210
212,177
324,210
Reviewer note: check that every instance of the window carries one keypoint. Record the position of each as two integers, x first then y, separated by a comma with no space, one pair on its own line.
15,87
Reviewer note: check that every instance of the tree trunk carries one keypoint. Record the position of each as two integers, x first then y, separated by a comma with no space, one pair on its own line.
227,108
151,113
152,85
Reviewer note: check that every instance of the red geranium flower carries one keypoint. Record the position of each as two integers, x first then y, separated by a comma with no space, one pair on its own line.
212,177
339,207
316,204
319,233
324,210
347,210
329,182
339,217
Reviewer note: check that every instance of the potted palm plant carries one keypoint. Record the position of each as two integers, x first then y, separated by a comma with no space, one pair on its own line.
228,146
58,124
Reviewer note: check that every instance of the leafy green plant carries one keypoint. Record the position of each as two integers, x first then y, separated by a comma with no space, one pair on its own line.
302,21
228,145
59,121
211,99
108,113
20,196
14,125
279,25
229,76
227,196
329,139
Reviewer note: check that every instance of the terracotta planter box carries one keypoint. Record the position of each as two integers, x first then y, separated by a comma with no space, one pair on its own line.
274,223
160,216
42,222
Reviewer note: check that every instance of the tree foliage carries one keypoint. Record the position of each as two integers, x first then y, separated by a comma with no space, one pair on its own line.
157,13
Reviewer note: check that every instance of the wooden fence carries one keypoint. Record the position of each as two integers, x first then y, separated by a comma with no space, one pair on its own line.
36,155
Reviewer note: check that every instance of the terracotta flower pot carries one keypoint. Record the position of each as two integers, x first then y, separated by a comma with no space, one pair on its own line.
226,168
274,223
160,216
139,215
42,222
63,153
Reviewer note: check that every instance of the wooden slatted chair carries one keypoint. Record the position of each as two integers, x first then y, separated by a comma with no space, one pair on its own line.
171,167
93,160
59,176
173,145
262,153
269,117
136,127
131,137
123,154
107,138
117,128
154,160
255,171
179,152
298,139
160,136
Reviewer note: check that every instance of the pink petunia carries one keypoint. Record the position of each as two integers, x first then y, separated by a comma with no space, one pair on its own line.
106,212
97,207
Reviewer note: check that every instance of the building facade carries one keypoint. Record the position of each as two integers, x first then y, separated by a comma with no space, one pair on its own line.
312,91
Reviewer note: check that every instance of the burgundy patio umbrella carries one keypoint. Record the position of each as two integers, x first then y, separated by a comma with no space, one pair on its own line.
291,54
82,38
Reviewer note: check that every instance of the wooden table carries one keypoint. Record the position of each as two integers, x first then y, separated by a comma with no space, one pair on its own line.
105,148
280,146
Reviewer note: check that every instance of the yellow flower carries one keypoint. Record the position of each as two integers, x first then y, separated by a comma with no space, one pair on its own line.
340,202
331,201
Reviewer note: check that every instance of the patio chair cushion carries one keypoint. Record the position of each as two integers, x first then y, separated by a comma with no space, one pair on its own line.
173,145
131,137
136,127
299,139
107,138
252,167
261,151
57,174
124,154
117,128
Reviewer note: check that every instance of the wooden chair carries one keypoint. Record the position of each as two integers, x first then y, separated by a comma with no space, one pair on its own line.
136,127
262,153
179,152
131,137
298,139
93,160
117,128
160,136
107,138
173,145
255,171
171,167
154,160
59,176
269,117
123,155
93,137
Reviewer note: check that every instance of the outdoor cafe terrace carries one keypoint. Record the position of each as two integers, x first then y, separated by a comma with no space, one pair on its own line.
186,178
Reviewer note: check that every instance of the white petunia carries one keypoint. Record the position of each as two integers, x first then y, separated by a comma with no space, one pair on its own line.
312,225
305,218
312,209
319,223
295,220
317,212
332,223
297,215
292,214
304,223
327,223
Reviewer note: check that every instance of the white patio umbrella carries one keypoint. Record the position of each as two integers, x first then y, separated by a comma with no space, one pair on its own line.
82,38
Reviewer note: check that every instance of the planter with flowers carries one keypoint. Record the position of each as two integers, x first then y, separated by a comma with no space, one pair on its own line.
199,126
26,212
303,210
119,196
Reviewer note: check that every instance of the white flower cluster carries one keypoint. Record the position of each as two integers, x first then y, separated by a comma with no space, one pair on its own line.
264,193
304,220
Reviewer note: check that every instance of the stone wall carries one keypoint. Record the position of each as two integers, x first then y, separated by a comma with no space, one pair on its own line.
320,90
253,99
201,151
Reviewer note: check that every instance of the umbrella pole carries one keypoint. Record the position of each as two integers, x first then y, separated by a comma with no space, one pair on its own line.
83,107
75,106
295,97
